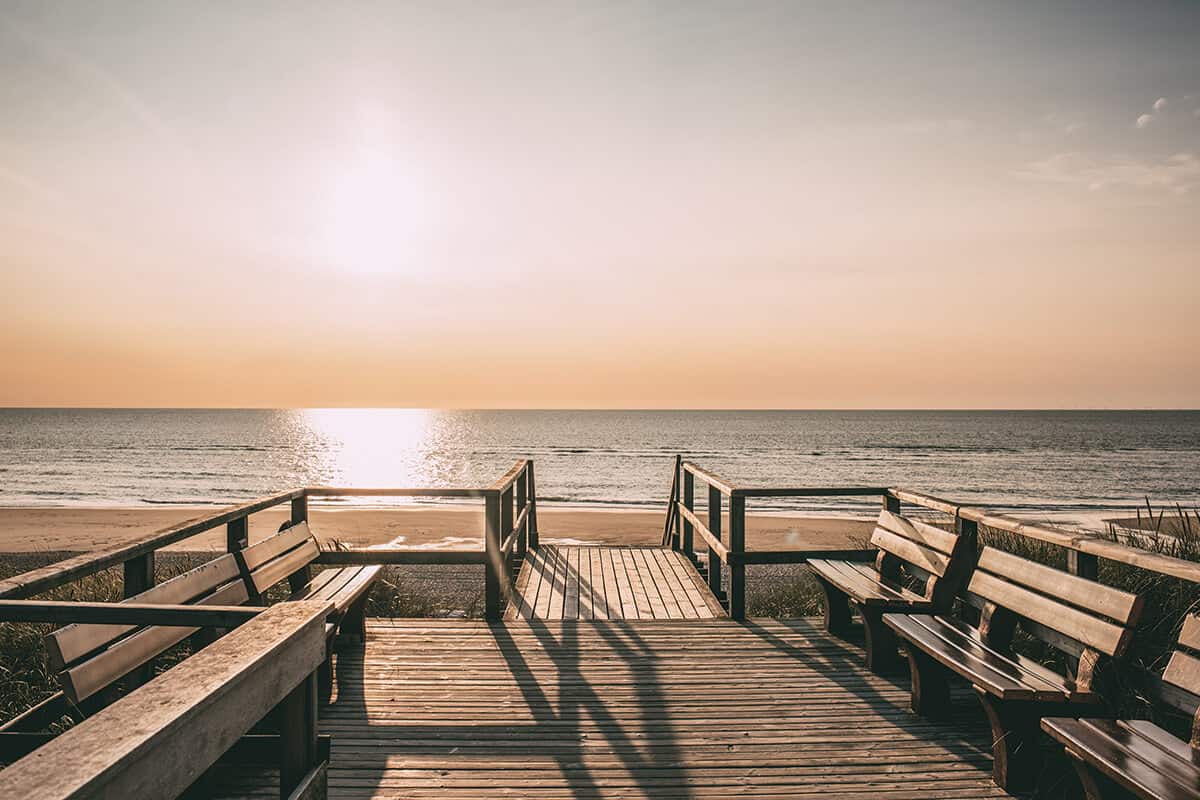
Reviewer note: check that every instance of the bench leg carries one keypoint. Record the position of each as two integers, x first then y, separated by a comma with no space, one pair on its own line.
930,685
837,608
1095,785
1016,742
352,630
882,655
325,678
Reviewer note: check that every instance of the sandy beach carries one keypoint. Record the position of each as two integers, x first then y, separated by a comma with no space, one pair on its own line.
31,530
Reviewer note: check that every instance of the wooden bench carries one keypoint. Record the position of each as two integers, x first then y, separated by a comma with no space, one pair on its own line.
909,553
1086,621
1136,758
90,659
289,555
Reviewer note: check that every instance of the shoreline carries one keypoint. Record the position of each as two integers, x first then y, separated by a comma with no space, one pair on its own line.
32,529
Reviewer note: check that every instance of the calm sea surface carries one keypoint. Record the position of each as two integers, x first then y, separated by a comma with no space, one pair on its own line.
1079,462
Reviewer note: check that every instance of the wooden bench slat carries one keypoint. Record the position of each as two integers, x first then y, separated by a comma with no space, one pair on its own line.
260,553
922,533
342,588
1163,740
1113,603
1130,760
865,587
87,678
909,551
72,642
1100,634
272,572
1183,670
1189,635
955,648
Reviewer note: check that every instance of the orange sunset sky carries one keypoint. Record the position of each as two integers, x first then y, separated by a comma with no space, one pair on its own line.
692,204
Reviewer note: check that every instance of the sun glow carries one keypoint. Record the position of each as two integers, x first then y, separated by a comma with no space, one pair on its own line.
377,216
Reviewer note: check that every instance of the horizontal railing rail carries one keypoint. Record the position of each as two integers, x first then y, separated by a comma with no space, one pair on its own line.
510,528
160,738
727,551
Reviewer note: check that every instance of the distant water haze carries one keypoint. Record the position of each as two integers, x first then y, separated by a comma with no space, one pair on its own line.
1074,463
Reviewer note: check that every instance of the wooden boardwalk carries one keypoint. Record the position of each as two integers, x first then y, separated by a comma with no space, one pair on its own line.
628,709
563,582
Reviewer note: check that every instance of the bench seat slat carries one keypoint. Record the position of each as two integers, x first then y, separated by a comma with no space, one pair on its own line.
863,587
348,587
1112,603
1127,756
1104,636
967,656
72,642
87,678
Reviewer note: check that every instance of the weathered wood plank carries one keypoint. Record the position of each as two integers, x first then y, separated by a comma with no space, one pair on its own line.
157,740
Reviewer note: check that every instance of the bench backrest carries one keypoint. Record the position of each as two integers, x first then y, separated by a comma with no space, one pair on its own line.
90,657
926,553
1180,684
287,554
1079,617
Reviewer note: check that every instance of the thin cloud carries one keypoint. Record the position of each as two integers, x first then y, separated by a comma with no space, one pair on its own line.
1178,174
1144,120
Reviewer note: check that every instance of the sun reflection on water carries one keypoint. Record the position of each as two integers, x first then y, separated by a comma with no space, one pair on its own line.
376,447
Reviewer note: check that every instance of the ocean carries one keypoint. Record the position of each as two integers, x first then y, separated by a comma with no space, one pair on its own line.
1078,464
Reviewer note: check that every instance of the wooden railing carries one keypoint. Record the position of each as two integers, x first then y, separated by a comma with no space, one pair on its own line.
727,552
156,741
510,528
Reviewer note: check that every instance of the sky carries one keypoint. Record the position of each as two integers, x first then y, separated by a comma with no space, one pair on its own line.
604,205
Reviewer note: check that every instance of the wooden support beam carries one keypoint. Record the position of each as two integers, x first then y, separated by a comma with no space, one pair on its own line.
533,525
493,567
714,527
689,502
737,546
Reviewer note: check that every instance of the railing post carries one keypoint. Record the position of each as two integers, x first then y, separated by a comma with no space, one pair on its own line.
506,527
139,574
891,504
1085,565
737,547
298,747
491,546
522,499
533,529
689,502
677,533
237,534
714,525
300,509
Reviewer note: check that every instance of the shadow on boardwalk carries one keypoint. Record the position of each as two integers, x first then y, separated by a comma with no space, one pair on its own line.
589,709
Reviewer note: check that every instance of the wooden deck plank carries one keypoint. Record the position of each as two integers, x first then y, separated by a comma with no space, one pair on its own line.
455,709
599,600
587,582
629,609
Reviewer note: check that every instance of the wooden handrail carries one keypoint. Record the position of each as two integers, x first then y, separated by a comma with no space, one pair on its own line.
509,478
1083,550
80,566
355,491
712,479
198,709
811,491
